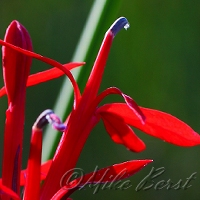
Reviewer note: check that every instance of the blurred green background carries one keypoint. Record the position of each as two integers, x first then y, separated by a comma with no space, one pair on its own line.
156,62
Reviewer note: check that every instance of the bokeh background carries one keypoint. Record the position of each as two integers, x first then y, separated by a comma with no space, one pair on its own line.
156,62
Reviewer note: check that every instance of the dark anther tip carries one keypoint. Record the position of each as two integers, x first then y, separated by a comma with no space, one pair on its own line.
48,116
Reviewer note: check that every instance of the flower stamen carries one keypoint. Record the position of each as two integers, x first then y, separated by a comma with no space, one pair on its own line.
120,23
48,116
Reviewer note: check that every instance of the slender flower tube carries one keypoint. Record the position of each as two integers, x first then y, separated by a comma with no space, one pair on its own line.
16,67
34,162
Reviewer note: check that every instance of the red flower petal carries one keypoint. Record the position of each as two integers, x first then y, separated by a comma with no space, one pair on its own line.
121,133
106,175
158,124
47,75
51,73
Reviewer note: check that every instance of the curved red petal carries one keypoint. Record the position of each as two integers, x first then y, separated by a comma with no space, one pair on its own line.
121,133
158,124
46,75
129,101
50,62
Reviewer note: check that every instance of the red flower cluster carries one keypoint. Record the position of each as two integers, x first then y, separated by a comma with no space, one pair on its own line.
86,113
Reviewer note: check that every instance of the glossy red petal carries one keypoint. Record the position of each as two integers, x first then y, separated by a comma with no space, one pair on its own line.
106,175
121,133
158,124
47,75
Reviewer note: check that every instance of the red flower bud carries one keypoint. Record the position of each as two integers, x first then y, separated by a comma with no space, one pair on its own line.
16,67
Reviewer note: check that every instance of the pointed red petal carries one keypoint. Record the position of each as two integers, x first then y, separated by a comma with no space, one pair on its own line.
122,133
158,124
50,74
106,175
114,173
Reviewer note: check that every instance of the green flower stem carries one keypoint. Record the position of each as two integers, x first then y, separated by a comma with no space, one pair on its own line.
103,12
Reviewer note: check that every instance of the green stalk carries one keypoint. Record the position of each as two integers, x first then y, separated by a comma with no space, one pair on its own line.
102,13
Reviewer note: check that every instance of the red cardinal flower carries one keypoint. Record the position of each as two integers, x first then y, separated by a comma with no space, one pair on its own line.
86,113
83,117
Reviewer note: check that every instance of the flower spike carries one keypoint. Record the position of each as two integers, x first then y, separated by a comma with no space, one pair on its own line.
56,174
